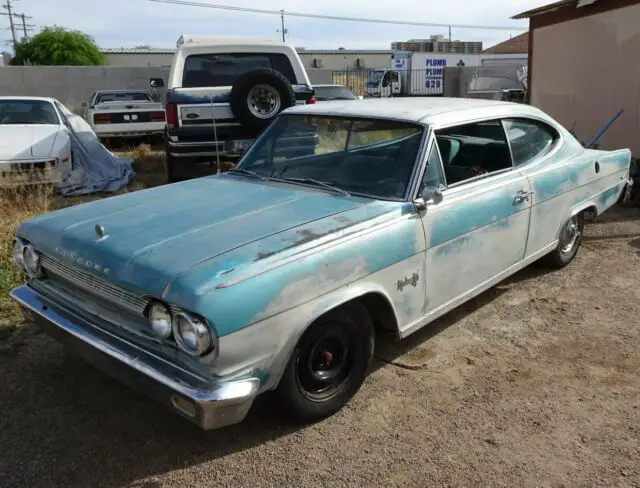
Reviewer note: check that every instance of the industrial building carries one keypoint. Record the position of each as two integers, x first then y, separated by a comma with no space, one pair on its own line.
329,59
583,67
438,44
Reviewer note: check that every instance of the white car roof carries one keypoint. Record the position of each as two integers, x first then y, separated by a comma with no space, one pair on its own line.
425,110
42,99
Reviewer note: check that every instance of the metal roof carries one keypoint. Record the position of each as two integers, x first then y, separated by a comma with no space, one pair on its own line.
552,6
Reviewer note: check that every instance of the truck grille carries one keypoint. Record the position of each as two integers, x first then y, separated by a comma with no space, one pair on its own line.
64,274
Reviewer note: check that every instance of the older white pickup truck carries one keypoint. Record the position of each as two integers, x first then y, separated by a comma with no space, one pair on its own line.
124,113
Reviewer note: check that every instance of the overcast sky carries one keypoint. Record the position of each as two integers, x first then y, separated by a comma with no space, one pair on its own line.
128,23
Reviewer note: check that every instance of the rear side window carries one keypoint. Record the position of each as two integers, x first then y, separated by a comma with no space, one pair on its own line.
529,139
207,70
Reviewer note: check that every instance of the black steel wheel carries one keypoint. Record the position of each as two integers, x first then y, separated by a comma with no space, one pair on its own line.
329,363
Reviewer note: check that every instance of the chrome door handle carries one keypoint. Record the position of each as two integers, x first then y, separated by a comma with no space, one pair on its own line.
522,196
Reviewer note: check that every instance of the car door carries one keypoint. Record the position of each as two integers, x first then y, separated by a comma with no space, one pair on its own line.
478,231
533,142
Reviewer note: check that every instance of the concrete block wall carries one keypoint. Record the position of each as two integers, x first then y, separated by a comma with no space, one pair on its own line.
75,84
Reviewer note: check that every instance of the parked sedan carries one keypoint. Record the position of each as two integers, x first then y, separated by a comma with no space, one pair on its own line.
35,145
275,275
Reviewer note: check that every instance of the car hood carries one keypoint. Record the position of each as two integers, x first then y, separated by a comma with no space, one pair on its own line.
153,235
27,141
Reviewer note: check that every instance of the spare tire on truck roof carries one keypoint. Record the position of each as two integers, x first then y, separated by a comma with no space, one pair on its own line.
258,96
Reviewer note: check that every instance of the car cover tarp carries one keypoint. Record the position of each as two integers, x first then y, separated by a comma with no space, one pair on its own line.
94,167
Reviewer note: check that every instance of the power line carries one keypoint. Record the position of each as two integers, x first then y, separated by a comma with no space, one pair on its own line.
188,3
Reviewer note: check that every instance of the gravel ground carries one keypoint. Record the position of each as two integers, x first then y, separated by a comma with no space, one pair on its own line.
534,383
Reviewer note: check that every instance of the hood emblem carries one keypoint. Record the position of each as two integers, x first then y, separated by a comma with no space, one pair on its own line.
100,234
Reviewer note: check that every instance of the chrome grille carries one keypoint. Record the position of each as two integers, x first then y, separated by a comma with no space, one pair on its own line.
91,285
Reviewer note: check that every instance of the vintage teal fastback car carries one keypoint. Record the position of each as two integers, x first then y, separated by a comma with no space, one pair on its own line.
275,275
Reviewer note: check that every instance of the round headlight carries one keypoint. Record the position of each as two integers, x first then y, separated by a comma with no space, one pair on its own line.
160,319
191,334
16,251
31,261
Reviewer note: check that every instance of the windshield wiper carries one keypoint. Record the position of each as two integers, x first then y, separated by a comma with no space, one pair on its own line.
321,184
246,172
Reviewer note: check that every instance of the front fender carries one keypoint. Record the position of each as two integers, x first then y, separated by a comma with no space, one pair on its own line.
263,349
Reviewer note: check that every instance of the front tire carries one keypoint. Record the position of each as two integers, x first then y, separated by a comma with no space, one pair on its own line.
329,364
568,242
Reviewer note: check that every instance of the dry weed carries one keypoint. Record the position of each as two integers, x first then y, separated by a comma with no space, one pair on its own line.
16,205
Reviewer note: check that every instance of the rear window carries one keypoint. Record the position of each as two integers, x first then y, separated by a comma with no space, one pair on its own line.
205,70
326,93
123,97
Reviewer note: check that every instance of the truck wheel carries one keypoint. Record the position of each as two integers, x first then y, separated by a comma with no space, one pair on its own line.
259,96
568,243
329,364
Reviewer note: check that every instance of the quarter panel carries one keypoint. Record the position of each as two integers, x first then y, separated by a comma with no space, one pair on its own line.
568,182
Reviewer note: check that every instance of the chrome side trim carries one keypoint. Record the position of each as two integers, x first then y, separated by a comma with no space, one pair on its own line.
474,292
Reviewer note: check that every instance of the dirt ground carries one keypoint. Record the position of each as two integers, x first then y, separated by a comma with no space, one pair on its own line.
533,384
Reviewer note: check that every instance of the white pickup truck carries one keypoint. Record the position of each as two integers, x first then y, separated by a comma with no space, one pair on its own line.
124,113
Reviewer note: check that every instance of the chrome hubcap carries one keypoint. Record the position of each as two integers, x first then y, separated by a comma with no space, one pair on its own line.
264,101
570,235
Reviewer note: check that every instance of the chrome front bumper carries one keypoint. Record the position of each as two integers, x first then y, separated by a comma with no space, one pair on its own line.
209,404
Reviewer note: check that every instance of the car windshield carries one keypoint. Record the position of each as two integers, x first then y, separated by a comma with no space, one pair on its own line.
374,77
27,112
496,79
326,93
367,157
123,97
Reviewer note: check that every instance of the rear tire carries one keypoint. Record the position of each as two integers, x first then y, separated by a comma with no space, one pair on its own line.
568,243
329,364
258,96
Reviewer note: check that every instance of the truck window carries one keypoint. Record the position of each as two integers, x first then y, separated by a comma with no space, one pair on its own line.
208,70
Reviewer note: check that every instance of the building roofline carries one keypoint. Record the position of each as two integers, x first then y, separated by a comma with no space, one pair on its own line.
551,7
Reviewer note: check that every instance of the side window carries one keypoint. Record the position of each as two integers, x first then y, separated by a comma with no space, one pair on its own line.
529,139
433,175
473,150
208,70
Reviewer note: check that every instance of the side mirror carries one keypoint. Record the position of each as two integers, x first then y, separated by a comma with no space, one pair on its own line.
156,82
430,195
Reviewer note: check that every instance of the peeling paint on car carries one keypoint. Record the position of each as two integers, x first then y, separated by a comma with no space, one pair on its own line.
261,260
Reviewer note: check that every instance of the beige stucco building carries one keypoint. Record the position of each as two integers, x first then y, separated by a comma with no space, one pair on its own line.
584,66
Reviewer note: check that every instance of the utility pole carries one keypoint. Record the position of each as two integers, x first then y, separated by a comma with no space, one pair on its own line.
8,6
26,28
282,28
